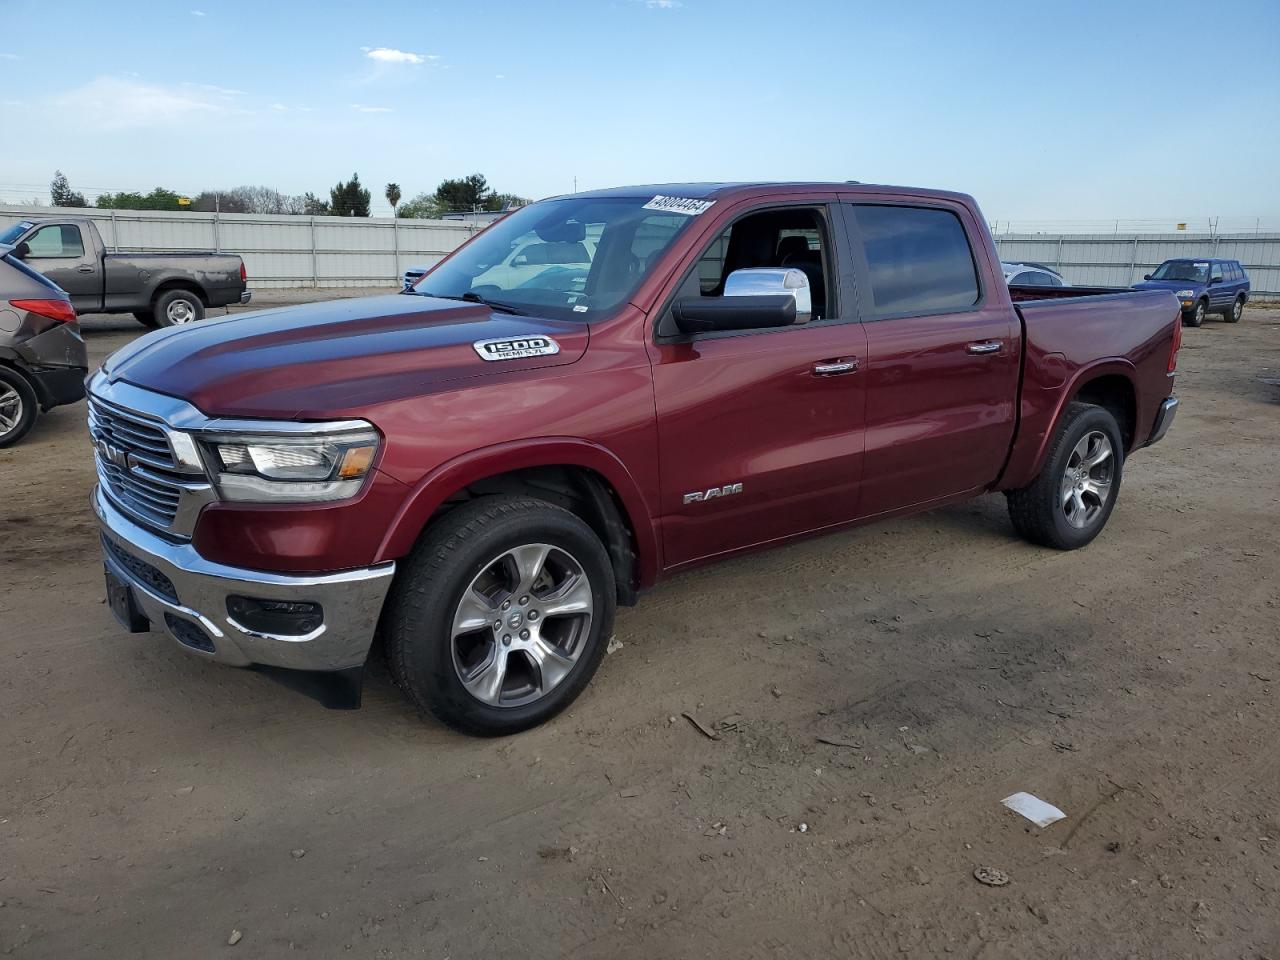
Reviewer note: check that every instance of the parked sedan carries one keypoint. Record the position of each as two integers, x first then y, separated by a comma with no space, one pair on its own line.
1202,286
42,357
1031,275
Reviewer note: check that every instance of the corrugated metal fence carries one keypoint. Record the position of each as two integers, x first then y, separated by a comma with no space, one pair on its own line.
282,251
1111,260
279,251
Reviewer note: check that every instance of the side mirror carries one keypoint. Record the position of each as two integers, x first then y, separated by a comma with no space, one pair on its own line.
1146,276
1213,280
22,250
753,300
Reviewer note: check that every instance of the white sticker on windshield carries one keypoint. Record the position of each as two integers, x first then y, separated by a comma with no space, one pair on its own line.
1201,266
683,205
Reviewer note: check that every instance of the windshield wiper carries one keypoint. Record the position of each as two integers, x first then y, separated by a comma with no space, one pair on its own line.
472,297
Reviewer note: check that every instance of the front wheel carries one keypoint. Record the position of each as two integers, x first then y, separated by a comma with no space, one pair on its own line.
1197,316
501,614
176,307
18,406
1068,504
1236,312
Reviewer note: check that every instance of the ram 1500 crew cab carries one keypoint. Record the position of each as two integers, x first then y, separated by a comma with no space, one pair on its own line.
481,469
159,289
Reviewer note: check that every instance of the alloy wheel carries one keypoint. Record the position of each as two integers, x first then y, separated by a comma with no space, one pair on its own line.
180,311
521,625
1086,481
10,409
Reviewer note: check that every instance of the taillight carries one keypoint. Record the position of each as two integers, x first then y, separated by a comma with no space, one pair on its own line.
59,310
1177,342
243,275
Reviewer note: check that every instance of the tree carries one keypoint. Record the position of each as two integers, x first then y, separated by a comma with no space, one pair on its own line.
422,207
506,201
393,196
349,199
313,206
157,199
463,195
61,194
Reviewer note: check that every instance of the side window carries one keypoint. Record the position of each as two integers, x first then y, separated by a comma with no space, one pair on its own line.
1030,278
1052,281
1237,271
772,238
1216,272
56,240
918,259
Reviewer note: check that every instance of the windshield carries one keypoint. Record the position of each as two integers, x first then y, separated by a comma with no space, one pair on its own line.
15,231
571,259
1194,270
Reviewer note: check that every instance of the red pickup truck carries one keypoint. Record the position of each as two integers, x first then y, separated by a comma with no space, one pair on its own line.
479,470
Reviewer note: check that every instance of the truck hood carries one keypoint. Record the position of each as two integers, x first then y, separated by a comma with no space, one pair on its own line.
1168,285
318,360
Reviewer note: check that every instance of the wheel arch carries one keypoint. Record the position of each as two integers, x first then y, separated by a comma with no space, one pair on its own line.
580,476
176,283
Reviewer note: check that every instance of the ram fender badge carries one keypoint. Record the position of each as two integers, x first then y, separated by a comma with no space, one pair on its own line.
516,348
701,496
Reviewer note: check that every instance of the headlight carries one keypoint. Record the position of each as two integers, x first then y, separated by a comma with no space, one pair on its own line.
323,463
1182,294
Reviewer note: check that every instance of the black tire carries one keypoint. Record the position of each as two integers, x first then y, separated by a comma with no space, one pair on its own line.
146,317
1196,317
1235,311
457,549
174,304
18,406
1039,511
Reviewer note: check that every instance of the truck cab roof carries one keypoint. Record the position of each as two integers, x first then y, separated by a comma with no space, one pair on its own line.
748,190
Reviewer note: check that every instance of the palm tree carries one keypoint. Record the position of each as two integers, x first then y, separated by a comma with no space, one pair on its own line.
393,196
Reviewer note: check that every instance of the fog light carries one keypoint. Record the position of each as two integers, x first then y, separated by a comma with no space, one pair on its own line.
283,617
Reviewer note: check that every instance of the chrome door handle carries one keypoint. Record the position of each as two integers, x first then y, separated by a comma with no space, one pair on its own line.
986,346
833,367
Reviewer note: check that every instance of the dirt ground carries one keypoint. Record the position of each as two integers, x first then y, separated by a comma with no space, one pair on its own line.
150,805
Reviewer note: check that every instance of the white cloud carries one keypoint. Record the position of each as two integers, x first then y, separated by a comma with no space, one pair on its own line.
499,76
198,13
15,103
112,103
278,106
227,92
391,55
662,4
9,56
367,109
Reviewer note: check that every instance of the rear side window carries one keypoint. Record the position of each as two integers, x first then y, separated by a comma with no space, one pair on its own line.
1216,273
56,240
918,259
1032,278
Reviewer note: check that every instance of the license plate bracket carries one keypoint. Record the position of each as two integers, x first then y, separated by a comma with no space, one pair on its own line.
122,603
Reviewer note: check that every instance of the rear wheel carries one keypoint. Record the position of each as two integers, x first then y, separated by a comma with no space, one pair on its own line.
1197,316
501,615
145,317
1069,503
18,407
1236,312
176,307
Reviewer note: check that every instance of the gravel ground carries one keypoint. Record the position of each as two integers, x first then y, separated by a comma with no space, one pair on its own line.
873,694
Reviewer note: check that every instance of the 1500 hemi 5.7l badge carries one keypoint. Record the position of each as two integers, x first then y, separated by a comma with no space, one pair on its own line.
516,348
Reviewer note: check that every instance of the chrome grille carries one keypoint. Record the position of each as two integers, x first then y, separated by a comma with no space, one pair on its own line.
135,463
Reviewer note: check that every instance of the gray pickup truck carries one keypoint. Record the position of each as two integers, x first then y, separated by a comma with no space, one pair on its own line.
160,289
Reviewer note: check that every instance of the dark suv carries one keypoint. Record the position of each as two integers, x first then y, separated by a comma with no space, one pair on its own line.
1202,286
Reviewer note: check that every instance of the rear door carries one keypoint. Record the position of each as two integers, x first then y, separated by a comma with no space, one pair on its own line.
1220,292
760,431
943,353
59,251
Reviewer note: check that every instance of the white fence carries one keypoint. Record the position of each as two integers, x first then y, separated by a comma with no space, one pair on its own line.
1110,260
279,251
282,251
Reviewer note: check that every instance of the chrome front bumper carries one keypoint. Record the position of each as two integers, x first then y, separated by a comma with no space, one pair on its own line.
191,591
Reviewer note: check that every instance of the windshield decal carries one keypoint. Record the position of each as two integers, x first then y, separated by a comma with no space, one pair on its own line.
516,348
690,208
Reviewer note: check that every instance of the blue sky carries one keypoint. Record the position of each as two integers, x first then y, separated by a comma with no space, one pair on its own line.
1054,112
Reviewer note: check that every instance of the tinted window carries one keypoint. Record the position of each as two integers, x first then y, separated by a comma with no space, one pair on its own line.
56,240
1054,281
15,231
918,259
1197,271
1029,278
1216,273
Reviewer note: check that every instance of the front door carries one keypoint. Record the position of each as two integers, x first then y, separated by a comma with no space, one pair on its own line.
760,432
58,252
943,355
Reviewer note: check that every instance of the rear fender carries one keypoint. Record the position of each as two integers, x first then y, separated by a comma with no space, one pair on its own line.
456,475
1042,407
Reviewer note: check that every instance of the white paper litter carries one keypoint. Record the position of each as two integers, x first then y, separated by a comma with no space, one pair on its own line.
1034,809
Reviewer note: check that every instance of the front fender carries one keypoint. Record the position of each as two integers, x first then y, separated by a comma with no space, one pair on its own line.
455,475
1042,406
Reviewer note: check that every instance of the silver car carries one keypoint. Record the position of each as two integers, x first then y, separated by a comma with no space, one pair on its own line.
1027,274
42,357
